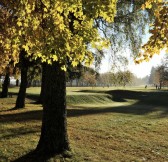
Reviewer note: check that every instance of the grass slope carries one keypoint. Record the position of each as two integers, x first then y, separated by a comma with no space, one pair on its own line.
107,125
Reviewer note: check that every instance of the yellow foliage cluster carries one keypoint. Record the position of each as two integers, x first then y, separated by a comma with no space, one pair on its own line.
58,30
55,30
159,30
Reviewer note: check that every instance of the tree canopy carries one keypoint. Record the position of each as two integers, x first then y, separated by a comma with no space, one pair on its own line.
54,30
61,30
158,29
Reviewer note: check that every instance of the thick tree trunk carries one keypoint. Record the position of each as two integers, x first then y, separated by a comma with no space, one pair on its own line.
5,86
20,102
54,139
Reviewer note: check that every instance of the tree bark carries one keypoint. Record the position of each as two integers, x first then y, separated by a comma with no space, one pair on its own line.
24,64
54,139
5,86
20,102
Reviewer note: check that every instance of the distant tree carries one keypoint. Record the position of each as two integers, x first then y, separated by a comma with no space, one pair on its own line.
89,79
120,78
159,75
152,76
106,79
124,77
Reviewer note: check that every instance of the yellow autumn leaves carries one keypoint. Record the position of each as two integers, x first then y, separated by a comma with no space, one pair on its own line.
60,30
159,30
149,3
55,30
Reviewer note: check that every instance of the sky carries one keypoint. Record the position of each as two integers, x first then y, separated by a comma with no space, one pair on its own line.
140,70
143,69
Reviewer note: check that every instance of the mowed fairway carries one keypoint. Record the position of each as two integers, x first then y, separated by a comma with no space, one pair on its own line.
104,124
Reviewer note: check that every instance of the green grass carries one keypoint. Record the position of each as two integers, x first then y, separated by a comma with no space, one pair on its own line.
104,124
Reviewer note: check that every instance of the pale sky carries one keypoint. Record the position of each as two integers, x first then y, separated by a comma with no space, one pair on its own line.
140,70
143,69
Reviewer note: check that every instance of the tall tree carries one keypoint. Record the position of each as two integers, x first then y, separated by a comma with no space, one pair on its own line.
55,31
159,75
5,84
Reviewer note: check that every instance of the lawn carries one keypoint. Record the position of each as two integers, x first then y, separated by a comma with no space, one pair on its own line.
104,125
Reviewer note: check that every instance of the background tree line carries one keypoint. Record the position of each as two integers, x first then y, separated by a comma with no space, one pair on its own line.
159,75
80,76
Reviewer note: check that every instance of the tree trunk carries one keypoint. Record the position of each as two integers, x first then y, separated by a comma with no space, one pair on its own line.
20,102
5,86
24,64
54,139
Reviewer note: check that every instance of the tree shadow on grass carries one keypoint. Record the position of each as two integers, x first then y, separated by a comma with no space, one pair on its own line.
29,157
35,156
18,132
21,116
154,97
75,111
132,109
32,157
33,97
147,102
